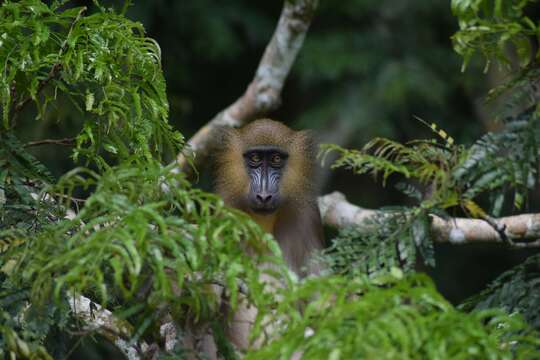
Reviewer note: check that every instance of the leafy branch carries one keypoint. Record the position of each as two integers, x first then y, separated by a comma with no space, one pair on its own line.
100,63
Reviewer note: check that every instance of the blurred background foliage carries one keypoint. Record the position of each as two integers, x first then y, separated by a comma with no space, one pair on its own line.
366,68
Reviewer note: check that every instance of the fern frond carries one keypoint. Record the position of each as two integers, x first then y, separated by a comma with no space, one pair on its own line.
102,62
452,176
515,291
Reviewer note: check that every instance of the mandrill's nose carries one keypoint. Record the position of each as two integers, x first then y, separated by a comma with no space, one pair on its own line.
264,197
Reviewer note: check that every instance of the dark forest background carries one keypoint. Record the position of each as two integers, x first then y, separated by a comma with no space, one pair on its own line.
367,68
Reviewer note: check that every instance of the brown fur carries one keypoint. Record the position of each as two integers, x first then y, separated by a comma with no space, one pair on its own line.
296,225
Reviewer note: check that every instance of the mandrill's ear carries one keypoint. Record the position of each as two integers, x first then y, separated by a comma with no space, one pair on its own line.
225,137
231,177
310,143
299,178
226,132
311,150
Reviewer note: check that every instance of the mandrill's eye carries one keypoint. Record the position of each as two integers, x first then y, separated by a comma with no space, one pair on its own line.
276,160
254,158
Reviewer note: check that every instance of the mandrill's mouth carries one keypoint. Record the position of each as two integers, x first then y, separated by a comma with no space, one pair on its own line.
264,210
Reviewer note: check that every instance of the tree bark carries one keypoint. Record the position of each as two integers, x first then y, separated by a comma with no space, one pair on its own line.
521,230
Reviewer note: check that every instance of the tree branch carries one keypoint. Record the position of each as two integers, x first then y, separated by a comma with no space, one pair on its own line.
522,230
105,323
263,93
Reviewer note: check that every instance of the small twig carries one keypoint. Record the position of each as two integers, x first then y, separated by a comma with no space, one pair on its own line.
63,142
500,229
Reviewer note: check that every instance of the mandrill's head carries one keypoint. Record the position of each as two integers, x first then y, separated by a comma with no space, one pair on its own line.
265,166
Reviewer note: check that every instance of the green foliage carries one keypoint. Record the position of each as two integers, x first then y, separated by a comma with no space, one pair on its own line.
425,161
489,26
501,163
22,177
24,326
515,291
441,177
393,239
503,33
136,248
389,241
102,63
454,175
444,177
128,226
391,318
144,240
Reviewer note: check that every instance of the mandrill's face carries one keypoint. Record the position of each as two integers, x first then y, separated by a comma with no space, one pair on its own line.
265,165
266,169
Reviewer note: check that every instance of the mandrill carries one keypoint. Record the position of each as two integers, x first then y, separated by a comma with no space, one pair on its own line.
267,170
